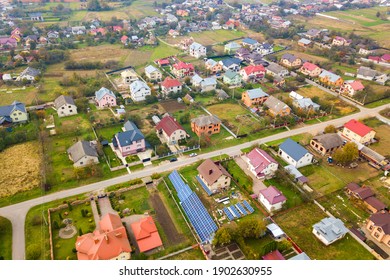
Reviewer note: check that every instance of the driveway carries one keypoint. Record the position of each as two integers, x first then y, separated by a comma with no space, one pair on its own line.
258,185
105,206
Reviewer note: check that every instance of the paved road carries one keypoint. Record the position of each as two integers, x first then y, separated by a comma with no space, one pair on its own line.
17,213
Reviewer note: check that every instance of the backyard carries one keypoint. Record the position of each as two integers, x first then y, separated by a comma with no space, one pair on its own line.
298,222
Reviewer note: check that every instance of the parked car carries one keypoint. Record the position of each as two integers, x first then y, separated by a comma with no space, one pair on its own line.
193,155
173,159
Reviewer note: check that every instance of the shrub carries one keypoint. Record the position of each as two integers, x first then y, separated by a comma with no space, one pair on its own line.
33,252
37,220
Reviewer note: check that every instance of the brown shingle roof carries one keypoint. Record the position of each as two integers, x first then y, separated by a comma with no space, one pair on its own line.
382,220
212,171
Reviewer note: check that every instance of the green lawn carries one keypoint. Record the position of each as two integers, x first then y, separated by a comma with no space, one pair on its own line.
303,138
108,132
293,195
135,200
298,224
194,254
163,50
239,175
5,239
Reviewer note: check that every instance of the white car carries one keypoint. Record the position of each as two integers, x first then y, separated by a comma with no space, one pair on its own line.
193,155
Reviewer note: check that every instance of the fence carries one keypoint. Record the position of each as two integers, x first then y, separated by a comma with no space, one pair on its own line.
120,69
196,147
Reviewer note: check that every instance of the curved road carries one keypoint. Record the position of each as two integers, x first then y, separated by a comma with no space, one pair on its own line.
16,213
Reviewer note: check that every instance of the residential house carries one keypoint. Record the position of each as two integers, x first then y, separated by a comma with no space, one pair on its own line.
139,90
36,16
252,73
274,69
130,141
272,199
290,60
206,84
14,113
366,195
254,97
124,39
250,43
352,87
129,76
293,153
242,53
108,242
375,159
78,30
232,78
385,58
182,69
261,164
16,34
326,144
105,98
340,41
358,132
313,33
379,227
310,69
277,107
7,43
256,59
206,125
329,230
170,85
232,47
146,234
366,73
188,98
153,73
214,176
303,103
173,33
29,74
364,51
197,50
298,176
212,66
83,153
305,43
232,64
330,79
221,94
265,48
185,43
170,130
65,106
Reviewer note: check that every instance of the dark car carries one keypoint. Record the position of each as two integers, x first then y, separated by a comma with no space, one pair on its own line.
173,159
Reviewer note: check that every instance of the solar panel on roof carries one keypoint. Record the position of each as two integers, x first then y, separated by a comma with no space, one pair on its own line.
204,185
247,205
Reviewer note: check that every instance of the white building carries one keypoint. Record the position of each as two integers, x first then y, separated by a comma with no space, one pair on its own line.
153,73
197,50
139,90
65,106
329,230
272,199
293,153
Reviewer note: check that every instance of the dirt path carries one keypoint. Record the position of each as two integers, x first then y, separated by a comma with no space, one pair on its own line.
165,220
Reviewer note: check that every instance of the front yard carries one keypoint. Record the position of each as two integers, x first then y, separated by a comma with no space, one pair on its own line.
298,222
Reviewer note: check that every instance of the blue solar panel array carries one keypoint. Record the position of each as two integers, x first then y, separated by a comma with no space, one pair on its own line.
241,209
228,214
235,212
247,205
204,185
193,207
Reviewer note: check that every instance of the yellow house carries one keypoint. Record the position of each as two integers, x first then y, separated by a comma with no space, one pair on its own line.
330,79
14,113
379,227
358,132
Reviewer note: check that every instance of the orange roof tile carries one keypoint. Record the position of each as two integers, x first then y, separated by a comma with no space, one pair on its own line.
146,234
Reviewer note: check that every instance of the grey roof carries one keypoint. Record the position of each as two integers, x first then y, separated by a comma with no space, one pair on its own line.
275,68
137,85
230,61
211,62
330,228
222,94
232,45
275,104
208,82
313,32
306,103
150,69
304,41
6,111
196,46
197,79
331,76
63,100
231,74
131,133
366,71
301,257
256,93
81,149
329,140
293,149
290,57
206,120
291,169
250,41
102,92
31,72
371,153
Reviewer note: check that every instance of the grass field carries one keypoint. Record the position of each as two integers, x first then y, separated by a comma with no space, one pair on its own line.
326,179
305,56
362,22
5,239
298,222
194,254
136,200
20,165
293,196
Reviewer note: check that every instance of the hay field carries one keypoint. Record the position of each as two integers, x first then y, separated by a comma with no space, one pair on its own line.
20,167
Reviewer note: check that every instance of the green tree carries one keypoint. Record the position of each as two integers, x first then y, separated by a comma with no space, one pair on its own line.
222,237
252,228
33,252
346,154
330,129
185,118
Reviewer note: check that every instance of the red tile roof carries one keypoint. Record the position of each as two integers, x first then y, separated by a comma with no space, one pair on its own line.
386,57
253,69
357,85
309,66
357,127
169,125
163,61
273,195
146,234
104,244
259,159
169,82
183,65
273,256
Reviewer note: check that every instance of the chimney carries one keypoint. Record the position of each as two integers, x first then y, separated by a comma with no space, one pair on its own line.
106,237
210,171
